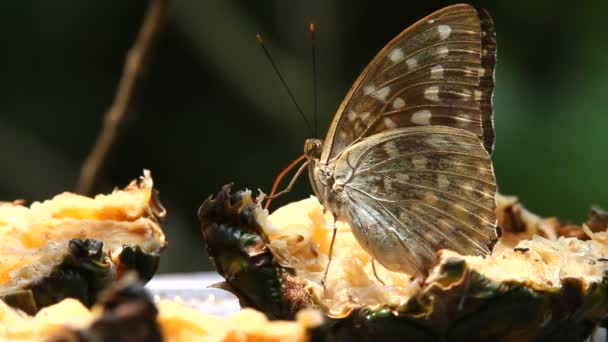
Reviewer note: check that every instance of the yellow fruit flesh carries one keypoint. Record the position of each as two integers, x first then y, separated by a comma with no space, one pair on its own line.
118,218
300,234
177,322
18,326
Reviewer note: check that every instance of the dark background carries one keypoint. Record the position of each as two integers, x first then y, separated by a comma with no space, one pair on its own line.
211,110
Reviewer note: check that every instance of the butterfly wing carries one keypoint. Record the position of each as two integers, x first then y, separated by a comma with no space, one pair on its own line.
412,191
439,71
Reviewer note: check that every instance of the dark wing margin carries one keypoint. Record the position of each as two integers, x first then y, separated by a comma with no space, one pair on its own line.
488,62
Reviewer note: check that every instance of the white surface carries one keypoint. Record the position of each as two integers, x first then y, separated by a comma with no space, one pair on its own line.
198,280
192,289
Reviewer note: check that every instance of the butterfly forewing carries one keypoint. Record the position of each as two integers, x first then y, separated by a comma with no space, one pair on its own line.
413,191
488,61
437,72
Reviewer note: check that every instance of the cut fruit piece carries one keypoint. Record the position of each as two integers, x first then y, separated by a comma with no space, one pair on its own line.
74,246
127,313
532,287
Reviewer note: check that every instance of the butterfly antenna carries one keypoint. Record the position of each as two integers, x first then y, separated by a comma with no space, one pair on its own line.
276,69
311,29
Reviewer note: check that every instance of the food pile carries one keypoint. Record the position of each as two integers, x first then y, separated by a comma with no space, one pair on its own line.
73,268
543,280
74,246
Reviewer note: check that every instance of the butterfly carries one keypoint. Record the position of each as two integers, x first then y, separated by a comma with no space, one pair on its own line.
406,161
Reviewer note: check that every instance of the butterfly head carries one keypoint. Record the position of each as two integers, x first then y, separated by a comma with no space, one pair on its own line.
312,149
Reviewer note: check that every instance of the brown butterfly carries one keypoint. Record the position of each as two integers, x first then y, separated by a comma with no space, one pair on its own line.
406,161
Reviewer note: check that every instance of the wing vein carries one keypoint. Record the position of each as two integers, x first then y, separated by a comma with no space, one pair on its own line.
403,110
450,216
448,194
428,47
398,221
416,154
440,172
428,224
426,66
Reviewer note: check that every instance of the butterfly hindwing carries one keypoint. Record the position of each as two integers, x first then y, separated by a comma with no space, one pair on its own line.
440,71
412,191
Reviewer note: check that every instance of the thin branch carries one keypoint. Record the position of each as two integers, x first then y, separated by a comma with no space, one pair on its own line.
123,100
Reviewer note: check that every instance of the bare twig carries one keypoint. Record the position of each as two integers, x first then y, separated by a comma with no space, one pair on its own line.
123,99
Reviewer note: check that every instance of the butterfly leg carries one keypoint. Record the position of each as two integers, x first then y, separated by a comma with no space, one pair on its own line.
291,183
329,256
375,273
465,293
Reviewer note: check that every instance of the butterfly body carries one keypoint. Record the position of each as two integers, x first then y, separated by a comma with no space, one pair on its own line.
406,161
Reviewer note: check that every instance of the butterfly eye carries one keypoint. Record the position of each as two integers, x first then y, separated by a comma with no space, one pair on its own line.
312,148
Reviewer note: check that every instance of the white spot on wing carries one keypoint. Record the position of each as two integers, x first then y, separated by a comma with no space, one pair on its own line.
444,31
463,120
468,188
389,123
443,181
411,63
390,148
396,55
478,94
368,89
437,72
352,116
430,198
431,21
415,208
422,117
398,103
405,218
366,116
382,93
444,224
435,141
481,72
443,51
402,177
419,162
432,238
388,184
432,93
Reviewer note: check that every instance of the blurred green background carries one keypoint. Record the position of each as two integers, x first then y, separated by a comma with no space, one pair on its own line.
211,110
